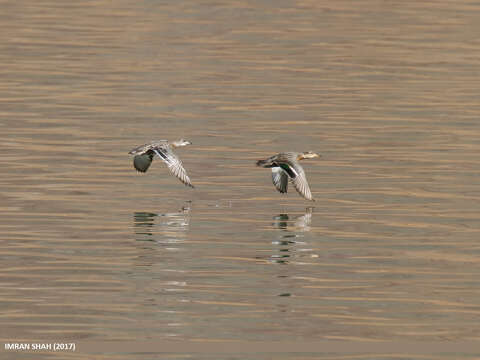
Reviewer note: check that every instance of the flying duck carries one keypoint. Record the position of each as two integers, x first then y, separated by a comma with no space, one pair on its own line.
285,166
143,157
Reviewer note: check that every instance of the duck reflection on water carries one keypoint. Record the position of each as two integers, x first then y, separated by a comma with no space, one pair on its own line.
298,223
291,228
164,228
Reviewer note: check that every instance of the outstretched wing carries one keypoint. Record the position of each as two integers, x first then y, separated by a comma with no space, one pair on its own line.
300,182
174,164
280,179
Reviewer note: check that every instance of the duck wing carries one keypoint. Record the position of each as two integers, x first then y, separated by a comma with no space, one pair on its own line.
280,179
173,163
142,162
300,181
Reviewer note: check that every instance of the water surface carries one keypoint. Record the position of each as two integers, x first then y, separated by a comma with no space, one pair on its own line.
387,92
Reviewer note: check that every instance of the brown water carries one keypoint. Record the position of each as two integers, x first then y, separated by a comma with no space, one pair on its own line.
386,91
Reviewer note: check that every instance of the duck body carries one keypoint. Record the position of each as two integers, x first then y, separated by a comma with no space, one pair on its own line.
286,167
143,156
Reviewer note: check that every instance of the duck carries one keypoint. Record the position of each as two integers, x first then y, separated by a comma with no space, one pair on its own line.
285,166
143,156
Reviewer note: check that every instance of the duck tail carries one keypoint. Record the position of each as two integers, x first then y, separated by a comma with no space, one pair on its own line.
263,163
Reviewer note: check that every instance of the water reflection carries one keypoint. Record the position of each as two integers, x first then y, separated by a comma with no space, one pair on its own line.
164,228
143,224
299,223
291,229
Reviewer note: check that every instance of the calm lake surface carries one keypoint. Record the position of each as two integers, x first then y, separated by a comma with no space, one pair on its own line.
387,92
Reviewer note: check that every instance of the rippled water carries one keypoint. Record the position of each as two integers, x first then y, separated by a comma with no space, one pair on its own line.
387,92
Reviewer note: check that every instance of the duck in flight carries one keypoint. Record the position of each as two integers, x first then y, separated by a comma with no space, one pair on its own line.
143,157
285,166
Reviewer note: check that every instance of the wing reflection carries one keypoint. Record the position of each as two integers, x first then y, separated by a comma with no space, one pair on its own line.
143,224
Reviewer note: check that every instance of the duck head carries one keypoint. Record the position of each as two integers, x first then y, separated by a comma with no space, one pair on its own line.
308,155
181,142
